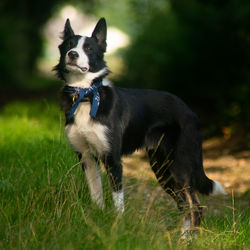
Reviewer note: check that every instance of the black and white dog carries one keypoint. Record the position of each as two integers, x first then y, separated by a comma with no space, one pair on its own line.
104,122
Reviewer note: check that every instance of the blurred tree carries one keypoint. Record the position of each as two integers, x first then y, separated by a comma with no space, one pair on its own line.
20,42
198,50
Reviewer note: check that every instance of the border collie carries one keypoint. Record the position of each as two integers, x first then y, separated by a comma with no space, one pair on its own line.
104,122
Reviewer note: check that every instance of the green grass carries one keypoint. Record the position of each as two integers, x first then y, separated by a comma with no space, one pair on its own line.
45,204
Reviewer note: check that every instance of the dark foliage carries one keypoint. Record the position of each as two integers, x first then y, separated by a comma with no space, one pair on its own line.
200,51
197,49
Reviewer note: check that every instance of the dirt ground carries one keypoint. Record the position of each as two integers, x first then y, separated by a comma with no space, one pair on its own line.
231,169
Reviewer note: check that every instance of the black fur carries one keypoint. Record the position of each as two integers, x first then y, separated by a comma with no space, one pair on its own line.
158,121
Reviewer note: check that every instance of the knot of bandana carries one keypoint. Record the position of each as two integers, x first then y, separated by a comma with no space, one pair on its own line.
81,92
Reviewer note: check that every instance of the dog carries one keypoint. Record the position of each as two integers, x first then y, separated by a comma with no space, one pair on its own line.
104,122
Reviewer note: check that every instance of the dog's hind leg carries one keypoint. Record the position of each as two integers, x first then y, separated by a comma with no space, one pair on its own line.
193,213
93,175
161,163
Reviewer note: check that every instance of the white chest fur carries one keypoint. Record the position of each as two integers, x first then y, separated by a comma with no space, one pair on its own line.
85,134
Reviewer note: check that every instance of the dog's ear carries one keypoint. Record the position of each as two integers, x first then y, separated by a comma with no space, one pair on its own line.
68,32
100,33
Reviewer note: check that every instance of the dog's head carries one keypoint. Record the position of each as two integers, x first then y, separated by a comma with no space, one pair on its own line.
81,57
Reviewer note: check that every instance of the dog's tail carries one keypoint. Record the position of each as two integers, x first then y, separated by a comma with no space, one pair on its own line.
207,186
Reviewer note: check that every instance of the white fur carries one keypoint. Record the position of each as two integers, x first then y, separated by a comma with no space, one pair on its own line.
106,82
218,189
77,141
85,134
185,230
186,226
93,175
82,60
84,80
118,198
81,144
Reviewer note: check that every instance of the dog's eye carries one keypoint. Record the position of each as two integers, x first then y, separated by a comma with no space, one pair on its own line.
88,49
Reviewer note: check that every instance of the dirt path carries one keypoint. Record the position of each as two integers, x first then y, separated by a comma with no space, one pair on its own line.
232,170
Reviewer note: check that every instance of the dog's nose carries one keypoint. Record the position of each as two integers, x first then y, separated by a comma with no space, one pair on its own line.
73,54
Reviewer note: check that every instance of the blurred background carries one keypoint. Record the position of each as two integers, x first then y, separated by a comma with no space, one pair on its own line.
196,49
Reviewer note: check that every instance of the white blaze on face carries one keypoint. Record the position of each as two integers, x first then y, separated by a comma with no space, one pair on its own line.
82,61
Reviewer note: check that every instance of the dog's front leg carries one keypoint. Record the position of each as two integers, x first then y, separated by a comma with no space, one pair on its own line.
114,171
93,175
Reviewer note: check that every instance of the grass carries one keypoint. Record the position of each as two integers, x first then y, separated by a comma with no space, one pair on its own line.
45,204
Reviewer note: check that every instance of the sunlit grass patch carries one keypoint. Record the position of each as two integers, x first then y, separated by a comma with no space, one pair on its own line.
45,203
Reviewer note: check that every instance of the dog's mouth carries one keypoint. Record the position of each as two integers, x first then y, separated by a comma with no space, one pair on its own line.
83,69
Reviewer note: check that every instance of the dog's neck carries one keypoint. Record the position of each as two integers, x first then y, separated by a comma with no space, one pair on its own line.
85,80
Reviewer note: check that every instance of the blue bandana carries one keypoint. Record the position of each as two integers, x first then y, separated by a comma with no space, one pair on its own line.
83,92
